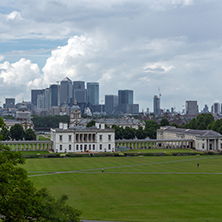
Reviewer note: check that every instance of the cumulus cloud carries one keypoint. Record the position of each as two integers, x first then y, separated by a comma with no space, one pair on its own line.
123,44
72,59
16,77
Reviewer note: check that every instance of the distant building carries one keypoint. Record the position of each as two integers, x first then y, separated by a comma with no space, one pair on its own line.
75,115
203,140
55,110
83,139
66,91
79,92
216,108
54,93
156,105
126,104
34,95
205,109
9,103
191,108
93,92
111,102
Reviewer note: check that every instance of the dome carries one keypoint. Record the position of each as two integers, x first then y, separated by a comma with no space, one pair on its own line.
23,107
75,107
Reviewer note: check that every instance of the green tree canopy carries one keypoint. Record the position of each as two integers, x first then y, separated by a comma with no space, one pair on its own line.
20,201
17,132
5,133
91,123
30,135
164,122
151,128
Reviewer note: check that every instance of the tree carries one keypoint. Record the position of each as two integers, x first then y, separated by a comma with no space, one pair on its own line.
151,128
29,134
17,132
5,134
164,122
21,201
91,123
140,133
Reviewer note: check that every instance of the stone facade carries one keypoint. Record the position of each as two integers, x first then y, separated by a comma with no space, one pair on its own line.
203,140
83,139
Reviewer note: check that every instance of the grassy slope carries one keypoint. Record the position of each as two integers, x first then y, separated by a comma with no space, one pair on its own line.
140,192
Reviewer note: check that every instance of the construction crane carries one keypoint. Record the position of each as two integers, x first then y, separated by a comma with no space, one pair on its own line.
159,92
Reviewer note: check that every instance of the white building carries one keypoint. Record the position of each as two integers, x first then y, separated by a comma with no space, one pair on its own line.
83,139
203,140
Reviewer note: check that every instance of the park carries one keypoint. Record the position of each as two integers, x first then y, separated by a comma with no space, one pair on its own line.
135,188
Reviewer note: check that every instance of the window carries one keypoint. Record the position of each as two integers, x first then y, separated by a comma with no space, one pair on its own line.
70,146
93,146
100,146
60,137
89,146
109,137
77,147
70,138
109,146
100,137
60,147
80,147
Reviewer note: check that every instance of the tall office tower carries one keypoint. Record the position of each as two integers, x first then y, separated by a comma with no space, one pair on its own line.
34,95
78,85
191,108
156,105
93,92
111,102
125,97
47,99
205,109
66,91
216,108
40,101
54,91
79,92
9,103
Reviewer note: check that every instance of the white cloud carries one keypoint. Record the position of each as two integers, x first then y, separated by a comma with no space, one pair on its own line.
14,16
16,77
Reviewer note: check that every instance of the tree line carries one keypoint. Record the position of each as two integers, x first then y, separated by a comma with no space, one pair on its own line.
17,132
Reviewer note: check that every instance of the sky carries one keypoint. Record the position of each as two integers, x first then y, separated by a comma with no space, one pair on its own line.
167,47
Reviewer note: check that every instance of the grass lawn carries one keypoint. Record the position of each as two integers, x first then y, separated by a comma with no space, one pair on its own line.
44,138
34,152
171,189
161,151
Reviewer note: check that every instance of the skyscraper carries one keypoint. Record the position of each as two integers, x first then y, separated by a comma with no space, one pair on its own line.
93,92
191,108
126,105
34,96
66,91
156,105
125,96
54,91
111,102
79,92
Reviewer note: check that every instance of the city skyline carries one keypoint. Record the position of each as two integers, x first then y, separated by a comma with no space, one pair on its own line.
174,46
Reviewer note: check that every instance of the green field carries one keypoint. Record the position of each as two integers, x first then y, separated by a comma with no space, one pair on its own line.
171,189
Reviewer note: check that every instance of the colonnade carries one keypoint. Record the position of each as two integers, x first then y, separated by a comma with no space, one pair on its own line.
28,145
155,144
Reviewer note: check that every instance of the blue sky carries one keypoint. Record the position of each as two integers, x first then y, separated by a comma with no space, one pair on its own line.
175,45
